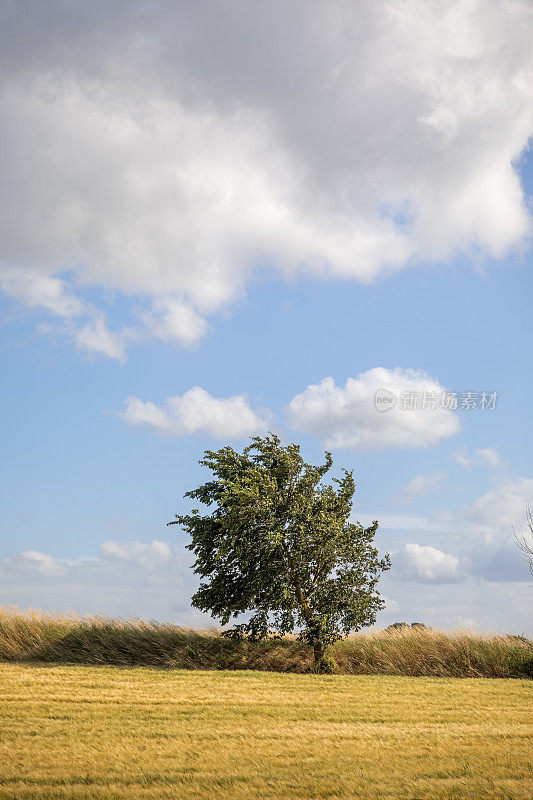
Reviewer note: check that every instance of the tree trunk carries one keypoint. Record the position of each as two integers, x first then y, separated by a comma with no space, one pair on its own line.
318,650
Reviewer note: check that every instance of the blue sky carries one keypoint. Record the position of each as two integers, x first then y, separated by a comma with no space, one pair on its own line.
297,279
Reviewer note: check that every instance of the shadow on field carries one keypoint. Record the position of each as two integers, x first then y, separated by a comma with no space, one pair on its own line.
156,646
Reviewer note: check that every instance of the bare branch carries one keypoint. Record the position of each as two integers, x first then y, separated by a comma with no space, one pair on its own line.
524,541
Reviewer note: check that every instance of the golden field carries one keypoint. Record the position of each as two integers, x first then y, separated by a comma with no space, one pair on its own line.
110,732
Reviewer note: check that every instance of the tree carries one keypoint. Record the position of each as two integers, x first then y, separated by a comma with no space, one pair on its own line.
525,540
278,542
400,626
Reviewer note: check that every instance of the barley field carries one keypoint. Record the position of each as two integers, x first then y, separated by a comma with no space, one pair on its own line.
86,732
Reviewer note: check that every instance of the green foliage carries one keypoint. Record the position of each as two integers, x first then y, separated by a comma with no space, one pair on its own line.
277,541
326,665
398,625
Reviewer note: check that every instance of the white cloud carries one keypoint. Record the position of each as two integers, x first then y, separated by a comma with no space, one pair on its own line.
347,416
41,290
485,455
96,337
167,168
197,411
462,459
31,563
425,563
173,320
169,319
495,513
419,485
152,556
480,534
490,456
53,295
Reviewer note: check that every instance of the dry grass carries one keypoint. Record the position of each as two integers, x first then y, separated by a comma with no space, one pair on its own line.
34,637
88,733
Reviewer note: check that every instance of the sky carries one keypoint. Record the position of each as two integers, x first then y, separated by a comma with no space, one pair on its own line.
223,219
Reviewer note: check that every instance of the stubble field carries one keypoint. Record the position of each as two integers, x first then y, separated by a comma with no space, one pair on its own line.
108,732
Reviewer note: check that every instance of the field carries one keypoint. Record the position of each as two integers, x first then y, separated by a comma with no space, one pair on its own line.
108,732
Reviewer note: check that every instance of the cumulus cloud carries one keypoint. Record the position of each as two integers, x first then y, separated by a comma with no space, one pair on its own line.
197,411
165,150
348,416
419,485
427,564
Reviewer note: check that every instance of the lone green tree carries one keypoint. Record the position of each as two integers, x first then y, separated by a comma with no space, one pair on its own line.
278,542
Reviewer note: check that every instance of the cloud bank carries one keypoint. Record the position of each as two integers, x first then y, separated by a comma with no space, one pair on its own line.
145,579
163,151
153,580
473,542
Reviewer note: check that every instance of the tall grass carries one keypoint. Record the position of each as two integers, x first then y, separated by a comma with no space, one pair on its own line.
34,636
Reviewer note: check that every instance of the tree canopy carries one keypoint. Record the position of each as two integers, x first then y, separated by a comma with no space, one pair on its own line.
276,541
